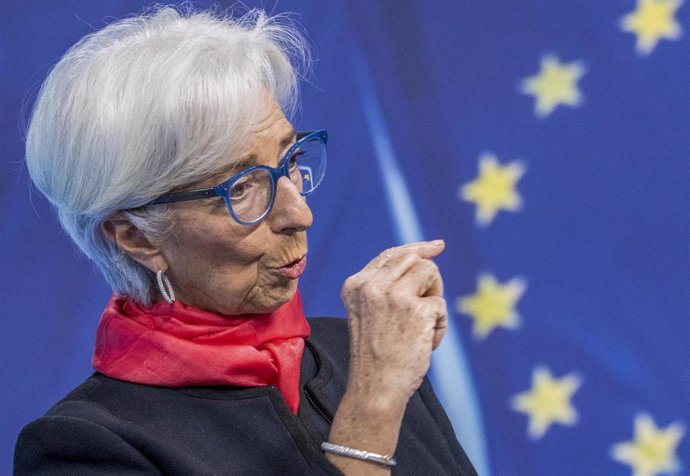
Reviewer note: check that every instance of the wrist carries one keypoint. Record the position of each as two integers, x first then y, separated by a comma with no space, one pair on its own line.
368,421
382,391
375,402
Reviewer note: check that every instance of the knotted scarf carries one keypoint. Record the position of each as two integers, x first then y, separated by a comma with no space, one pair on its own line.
174,345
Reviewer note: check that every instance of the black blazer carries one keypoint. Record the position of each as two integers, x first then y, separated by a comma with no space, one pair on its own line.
107,426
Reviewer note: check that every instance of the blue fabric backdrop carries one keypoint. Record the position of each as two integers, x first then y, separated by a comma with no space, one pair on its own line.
546,141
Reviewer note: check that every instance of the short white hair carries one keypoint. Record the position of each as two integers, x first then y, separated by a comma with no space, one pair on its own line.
149,104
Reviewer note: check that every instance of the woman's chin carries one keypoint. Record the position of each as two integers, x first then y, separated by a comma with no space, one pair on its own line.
268,301
279,298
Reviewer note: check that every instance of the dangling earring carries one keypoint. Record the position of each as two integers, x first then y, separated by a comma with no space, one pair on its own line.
165,287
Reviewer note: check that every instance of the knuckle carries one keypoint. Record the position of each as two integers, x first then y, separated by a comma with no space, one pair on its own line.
441,303
412,260
400,296
417,306
429,266
349,282
431,307
396,251
352,282
388,252
371,289
350,289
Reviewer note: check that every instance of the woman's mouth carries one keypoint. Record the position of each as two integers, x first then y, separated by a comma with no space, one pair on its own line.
295,269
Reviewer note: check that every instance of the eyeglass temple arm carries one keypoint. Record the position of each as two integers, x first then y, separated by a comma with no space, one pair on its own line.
184,196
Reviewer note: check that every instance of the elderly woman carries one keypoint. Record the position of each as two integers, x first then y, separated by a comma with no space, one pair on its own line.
163,143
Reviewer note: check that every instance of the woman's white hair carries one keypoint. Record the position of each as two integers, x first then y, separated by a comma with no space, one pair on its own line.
147,105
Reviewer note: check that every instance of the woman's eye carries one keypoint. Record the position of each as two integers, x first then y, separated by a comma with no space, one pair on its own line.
240,189
294,158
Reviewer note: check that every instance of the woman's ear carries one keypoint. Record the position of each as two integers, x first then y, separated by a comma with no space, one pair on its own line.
121,231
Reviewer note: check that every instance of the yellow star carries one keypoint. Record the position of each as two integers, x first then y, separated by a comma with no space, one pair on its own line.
653,451
651,21
555,84
492,305
494,189
548,401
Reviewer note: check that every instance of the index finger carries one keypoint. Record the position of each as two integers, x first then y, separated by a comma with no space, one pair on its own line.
424,249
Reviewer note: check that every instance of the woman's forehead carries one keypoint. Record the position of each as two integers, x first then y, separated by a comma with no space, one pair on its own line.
270,134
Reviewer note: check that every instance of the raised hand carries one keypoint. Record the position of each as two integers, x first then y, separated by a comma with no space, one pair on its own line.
397,316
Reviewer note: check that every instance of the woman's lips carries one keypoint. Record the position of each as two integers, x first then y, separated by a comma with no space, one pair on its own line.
295,269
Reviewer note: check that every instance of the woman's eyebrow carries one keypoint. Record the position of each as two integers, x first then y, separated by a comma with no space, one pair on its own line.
244,163
288,139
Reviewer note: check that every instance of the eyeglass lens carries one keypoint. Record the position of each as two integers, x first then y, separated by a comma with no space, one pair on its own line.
250,196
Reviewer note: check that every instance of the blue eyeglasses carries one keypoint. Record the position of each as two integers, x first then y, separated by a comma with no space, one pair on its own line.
249,194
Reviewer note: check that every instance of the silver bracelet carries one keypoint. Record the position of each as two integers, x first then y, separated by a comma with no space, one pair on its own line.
385,460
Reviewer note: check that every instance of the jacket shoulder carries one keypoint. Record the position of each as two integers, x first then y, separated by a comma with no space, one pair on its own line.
62,442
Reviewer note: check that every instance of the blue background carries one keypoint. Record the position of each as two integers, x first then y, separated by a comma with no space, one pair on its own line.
417,91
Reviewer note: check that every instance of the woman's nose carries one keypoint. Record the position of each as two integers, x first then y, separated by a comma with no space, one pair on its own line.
290,211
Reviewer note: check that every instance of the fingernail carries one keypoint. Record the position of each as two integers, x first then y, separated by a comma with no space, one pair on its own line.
437,242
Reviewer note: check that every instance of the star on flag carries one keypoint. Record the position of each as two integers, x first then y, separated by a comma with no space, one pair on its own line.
653,450
652,21
548,401
555,84
494,188
493,304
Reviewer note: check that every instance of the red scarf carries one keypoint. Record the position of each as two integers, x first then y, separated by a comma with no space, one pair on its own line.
174,345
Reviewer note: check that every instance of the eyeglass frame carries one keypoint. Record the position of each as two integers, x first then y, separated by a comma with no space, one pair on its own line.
223,188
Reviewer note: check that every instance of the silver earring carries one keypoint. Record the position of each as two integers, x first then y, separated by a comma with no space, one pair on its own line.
165,287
